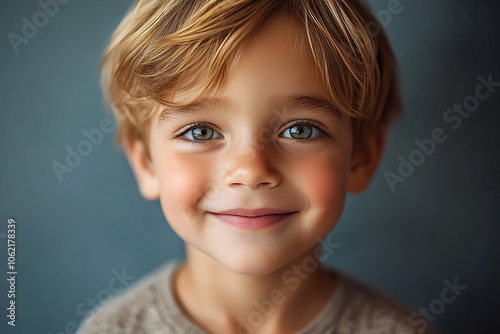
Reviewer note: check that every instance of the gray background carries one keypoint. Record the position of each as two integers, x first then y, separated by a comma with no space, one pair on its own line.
441,223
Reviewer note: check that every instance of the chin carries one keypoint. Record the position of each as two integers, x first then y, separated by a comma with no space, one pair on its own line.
256,264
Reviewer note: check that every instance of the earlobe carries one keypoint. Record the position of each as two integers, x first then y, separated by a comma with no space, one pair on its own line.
142,167
365,161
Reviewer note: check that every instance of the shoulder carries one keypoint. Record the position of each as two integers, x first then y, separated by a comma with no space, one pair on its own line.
135,310
361,309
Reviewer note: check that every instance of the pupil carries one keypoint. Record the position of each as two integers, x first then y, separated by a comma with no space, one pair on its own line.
201,133
300,131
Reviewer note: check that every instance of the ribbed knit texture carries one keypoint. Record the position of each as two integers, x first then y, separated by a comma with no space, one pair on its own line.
149,306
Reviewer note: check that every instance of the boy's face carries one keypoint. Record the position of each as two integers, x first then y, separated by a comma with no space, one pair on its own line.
251,155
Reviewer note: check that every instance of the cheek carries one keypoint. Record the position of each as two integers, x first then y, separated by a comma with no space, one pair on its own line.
326,182
183,184
323,181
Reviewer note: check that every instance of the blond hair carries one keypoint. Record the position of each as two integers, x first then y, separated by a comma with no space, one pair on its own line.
164,46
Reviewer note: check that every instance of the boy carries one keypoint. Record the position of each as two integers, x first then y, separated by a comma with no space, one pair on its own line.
249,121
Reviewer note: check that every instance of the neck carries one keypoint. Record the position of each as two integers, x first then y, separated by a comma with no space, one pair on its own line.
222,301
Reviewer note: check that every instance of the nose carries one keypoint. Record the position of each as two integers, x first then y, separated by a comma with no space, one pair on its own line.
249,166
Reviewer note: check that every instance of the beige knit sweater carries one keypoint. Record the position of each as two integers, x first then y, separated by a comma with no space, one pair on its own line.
149,306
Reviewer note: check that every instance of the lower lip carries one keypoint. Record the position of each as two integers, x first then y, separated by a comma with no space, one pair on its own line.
253,223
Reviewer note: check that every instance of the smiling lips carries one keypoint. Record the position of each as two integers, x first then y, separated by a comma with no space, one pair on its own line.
253,219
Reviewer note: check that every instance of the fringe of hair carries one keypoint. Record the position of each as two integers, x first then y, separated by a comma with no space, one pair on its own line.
162,47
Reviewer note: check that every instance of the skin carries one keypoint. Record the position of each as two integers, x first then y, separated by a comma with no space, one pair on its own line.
252,162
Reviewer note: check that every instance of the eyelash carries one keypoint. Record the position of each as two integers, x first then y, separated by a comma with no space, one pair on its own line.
189,127
199,124
322,133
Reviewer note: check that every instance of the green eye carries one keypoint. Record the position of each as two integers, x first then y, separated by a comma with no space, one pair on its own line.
202,133
199,132
301,131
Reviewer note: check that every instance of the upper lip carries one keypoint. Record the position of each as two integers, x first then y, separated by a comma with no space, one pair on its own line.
253,212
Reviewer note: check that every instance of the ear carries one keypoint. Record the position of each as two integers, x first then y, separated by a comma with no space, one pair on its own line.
365,160
142,167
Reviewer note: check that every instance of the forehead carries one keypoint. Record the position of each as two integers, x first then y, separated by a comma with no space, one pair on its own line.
274,67
278,50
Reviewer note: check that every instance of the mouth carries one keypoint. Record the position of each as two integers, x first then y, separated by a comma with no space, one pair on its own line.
253,219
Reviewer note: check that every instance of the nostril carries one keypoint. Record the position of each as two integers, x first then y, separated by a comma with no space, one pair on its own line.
250,167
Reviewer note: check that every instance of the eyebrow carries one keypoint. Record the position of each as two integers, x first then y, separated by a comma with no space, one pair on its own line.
279,103
202,104
304,102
